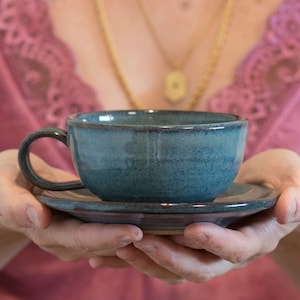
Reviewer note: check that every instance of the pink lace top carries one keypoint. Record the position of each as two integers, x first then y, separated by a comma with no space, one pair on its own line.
38,88
266,85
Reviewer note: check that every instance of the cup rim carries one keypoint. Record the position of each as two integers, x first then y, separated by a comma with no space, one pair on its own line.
76,119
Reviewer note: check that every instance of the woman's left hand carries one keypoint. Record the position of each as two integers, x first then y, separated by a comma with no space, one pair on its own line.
206,250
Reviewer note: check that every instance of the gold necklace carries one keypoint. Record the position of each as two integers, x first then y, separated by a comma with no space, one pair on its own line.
175,83
209,68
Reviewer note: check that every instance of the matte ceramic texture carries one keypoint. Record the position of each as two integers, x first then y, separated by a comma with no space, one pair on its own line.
155,156
238,201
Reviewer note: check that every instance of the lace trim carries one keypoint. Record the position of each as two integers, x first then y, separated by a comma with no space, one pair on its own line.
262,82
41,64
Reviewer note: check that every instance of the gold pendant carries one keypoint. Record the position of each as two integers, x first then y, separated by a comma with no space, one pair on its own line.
175,86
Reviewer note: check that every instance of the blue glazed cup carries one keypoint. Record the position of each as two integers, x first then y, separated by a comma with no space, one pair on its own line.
148,156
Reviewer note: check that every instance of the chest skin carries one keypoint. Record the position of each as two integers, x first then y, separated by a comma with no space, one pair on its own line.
76,22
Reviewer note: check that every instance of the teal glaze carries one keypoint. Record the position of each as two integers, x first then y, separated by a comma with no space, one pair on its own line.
156,156
238,201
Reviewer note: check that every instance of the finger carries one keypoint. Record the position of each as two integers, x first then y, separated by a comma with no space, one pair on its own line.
193,265
146,265
287,209
272,168
71,239
240,245
19,208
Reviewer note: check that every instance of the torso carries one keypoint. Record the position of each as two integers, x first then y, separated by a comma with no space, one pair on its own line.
76,24
142,62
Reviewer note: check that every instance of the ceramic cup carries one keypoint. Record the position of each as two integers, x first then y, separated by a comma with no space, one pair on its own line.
148,156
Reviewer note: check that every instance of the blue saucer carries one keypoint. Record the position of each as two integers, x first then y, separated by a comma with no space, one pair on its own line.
238,201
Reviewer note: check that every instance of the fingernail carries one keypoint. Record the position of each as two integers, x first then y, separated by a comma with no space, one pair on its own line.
93,262
126,240
293,214
33,216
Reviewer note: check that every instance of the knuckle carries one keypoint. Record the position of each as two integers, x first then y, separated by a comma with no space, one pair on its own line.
269,247
41,239
77,240
238,257
243,253
78,244
170,259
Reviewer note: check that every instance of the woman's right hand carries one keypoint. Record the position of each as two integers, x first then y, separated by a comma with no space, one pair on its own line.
23,219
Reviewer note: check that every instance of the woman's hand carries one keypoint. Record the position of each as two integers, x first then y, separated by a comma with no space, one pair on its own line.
207,250
24,219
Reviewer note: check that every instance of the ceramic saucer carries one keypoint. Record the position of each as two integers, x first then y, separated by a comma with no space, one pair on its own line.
238,201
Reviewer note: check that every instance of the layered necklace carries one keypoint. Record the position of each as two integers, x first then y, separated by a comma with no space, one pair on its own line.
175,82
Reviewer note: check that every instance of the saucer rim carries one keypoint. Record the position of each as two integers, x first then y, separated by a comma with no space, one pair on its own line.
264,198
166,222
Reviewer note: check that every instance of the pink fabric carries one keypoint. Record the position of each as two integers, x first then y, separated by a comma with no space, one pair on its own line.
38,84
266,85
38,88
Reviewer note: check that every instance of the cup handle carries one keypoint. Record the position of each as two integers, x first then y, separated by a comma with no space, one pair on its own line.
27,169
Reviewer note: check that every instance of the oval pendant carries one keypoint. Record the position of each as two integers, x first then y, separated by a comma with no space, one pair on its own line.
175,86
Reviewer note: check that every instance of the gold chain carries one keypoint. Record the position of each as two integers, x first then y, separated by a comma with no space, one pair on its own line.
175,83
209,68
214,55
178,64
